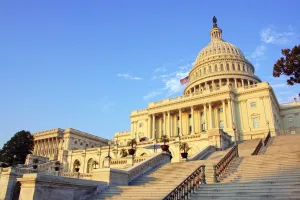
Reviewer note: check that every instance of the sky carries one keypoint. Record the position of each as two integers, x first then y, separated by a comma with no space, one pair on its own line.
88,64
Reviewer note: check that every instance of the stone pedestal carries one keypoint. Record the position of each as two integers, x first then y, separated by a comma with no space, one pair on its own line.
106,162
47,187
130,160
111,176
8,180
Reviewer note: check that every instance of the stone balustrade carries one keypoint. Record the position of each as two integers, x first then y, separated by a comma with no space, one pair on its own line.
147,165
202,153
87,176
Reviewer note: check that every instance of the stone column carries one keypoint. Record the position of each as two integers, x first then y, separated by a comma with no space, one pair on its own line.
164,125
132,129
206,118
180,122
230,113
169,124
235,84
210,116
149,135
224,114
153,127
248,83
193,121
243,83
228,81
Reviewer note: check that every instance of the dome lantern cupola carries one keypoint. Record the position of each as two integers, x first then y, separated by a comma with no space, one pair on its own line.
216,32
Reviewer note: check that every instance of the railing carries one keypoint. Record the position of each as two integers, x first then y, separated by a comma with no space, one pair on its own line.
187,187
77,175
258,147
222,165
146,165
267,139
119,161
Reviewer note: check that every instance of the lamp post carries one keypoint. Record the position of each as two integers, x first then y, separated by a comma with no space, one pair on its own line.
235,140
109,143
14,158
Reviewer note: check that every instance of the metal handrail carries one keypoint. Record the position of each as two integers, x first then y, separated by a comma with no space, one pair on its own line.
222,165
258,147
267,139
186,187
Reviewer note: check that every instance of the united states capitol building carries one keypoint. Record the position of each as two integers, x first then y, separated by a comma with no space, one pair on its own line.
224,102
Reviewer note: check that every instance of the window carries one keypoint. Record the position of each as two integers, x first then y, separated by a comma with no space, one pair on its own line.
222,67
204,71
75,142
141,125
255,122
227,66
221,124
81,143
233,67
202,114
190,129
291,119
243,68
216,68
253,104
221,110
239,68
209,69
177,117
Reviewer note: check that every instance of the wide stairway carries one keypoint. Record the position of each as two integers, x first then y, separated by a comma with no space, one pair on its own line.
272,175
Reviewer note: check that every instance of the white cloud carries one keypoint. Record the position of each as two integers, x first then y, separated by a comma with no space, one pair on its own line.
127,76
171,82
271,36
257,55
160,69
152,94
258,52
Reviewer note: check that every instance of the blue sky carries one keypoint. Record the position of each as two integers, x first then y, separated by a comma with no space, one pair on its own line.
88,64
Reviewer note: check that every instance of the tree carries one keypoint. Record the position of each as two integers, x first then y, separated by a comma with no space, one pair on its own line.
289,65
16,149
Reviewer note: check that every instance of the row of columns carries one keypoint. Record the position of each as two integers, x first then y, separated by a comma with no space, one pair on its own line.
168,129
205,85
47,146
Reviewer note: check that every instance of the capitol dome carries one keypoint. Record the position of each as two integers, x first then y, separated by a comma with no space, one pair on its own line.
218,64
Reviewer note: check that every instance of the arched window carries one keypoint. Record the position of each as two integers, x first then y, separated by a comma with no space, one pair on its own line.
233,67
209,69
222,67
243,68
227,66
239,68
204,70
216,68
221,124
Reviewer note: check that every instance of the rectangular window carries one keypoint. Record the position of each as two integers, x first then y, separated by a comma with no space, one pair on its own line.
253,104
203,127
202,114
190,116
190,129
255,122
177,117
221,110
291,119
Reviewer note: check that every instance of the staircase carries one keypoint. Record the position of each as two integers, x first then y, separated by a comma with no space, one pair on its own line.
272,175
153,185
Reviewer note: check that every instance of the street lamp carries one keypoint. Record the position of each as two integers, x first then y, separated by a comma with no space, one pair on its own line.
235,140
109,143
14,157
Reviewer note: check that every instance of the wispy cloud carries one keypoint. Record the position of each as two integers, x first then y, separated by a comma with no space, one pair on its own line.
107,106
129,77
171,82
160,69
152,94
257,55
270,35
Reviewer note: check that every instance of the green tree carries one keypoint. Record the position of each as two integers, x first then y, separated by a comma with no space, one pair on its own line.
16,149
289,65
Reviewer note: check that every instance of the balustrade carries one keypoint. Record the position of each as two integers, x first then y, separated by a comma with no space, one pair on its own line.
187,187
267,139
220,168
258,147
